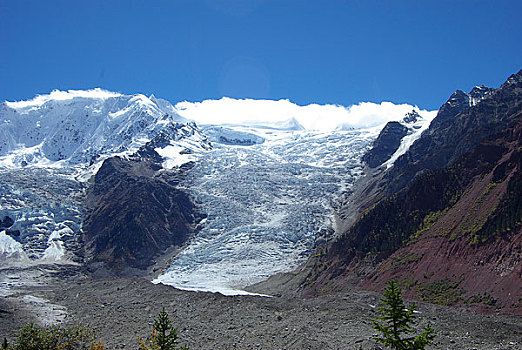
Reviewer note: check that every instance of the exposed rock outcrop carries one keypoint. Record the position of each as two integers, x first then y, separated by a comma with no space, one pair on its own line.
135,213
386,144
135,210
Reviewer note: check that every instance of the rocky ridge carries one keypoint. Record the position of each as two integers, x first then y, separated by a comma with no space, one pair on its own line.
461,123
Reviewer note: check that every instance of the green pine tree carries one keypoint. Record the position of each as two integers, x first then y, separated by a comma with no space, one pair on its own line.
398,321
164,336
167,334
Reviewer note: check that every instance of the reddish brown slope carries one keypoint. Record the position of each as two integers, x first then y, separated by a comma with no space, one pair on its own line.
435,269
454,236
450,260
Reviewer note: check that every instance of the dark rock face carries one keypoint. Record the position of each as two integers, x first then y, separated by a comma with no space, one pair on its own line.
134,210
13,233
460,125
386,144
175,131
135,214
6,222
411,117
479,93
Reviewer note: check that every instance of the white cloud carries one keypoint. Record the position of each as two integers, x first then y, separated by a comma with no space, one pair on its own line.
311,117
61,96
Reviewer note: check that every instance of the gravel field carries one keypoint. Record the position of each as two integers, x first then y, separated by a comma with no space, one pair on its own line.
121,309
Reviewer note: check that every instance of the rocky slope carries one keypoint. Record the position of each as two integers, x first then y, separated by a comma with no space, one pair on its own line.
134,214
453,234
469,251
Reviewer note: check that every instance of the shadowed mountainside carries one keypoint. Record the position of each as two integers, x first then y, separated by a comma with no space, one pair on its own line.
461,123
135,213
453,234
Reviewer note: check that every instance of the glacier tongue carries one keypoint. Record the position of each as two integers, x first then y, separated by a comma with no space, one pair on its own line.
266,205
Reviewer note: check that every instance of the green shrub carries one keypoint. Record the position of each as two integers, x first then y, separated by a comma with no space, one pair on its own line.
33,337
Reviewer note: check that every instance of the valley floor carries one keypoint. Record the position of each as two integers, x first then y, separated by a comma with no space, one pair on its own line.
121,309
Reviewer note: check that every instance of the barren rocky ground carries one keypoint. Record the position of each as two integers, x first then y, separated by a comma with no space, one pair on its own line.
121,309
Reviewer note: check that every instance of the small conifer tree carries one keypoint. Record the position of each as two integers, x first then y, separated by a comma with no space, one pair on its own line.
397,322
163,336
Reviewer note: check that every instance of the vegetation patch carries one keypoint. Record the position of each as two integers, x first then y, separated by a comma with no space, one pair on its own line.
404,258
506,216
430,220
396,323
470,228
485,299
33,337
490,187
407,283
442,292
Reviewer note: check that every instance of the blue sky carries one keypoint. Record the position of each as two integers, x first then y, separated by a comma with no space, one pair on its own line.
340,52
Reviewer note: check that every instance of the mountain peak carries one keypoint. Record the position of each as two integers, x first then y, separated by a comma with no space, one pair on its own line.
514,78
411,117
78,126
478,93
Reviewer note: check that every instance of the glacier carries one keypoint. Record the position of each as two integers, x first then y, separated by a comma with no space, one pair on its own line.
267,174
268,205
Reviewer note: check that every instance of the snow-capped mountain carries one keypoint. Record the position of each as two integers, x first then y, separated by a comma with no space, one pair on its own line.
79,126
50,145
266,175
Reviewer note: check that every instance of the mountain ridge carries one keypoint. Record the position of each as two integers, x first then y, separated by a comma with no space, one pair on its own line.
465,202
148,152
79,127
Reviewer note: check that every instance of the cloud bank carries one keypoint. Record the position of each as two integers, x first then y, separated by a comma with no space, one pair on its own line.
63,95
312,117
